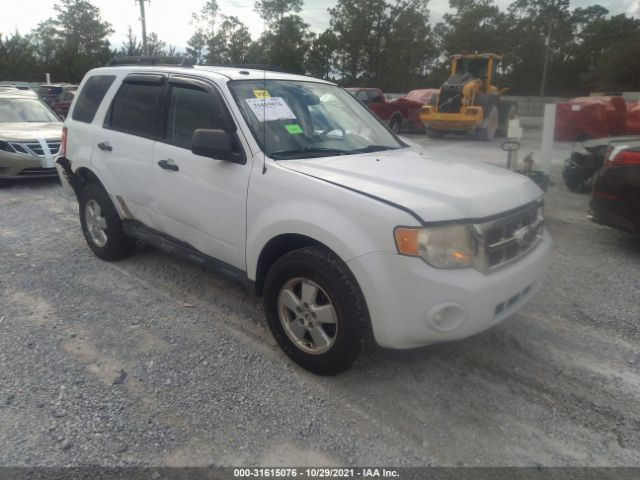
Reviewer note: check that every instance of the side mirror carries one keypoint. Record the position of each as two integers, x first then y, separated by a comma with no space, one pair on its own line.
215,144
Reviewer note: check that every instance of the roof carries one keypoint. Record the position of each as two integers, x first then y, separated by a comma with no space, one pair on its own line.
477,55
232,73
15,93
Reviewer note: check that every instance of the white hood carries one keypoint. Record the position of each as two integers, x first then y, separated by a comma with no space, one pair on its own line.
26,132
435,189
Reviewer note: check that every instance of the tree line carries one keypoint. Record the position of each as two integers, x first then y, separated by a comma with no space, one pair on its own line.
389,44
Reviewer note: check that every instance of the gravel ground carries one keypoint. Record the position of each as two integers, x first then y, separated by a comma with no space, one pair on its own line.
157,361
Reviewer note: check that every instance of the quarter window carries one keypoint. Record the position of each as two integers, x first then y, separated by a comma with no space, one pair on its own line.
134,109
90,97
191,108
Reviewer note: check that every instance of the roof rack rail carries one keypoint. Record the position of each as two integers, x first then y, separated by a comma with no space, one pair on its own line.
251,66
150,60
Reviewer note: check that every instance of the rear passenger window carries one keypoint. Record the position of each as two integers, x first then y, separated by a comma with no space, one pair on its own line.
191,108
134,109
90,97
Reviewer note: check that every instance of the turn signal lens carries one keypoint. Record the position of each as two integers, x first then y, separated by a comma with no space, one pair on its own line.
625,158
407,241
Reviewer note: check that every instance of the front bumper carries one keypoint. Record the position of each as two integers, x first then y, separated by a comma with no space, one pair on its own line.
15,166
468,119
404,296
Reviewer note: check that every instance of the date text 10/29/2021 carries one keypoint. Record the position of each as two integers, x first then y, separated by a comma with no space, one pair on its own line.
315,473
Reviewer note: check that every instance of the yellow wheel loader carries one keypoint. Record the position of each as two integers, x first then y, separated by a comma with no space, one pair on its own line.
468,102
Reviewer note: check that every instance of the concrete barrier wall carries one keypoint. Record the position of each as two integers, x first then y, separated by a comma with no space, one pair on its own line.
532,106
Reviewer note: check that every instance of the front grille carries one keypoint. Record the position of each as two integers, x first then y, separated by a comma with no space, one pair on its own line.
35,148
507,238
27,172
450,100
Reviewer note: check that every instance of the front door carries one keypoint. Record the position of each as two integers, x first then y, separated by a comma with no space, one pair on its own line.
199,200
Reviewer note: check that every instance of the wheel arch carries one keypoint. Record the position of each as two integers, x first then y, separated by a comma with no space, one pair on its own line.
396,115
277,247
84,175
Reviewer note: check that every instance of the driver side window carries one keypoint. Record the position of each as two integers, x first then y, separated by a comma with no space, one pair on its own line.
362,96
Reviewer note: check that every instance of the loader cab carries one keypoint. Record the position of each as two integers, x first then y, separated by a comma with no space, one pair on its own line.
480,66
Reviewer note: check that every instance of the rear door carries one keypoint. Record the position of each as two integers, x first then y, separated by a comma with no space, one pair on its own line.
124,146
199,200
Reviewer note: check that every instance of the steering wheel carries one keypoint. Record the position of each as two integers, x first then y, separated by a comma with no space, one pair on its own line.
328,130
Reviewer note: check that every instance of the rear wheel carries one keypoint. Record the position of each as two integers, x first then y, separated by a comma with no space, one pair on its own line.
315,310
489,132
509,113
101,224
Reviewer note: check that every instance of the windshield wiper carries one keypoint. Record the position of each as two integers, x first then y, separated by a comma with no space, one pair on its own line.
374,148
307,153
326,152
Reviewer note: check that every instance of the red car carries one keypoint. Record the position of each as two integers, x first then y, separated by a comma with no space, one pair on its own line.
615,198
62,104
398,114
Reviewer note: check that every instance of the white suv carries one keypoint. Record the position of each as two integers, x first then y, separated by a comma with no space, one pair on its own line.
289,183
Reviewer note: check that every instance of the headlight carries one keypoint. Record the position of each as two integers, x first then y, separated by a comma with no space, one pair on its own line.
441,247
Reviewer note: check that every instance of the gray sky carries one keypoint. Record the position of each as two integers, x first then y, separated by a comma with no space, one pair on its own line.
170,18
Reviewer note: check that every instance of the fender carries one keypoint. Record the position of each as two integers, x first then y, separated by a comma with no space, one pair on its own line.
329,226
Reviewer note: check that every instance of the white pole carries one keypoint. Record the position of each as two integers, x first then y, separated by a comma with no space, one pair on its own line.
548,130
48,77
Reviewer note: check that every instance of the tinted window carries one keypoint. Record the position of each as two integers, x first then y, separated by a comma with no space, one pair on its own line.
375,96
189,109
134,109
362,96
90,97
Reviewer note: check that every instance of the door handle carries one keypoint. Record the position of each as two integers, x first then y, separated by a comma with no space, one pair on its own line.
168,164
105,146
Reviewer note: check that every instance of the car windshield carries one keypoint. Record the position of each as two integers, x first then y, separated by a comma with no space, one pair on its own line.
295,119
50,90
25,110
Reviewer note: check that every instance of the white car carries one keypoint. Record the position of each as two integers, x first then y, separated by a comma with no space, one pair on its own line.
289,183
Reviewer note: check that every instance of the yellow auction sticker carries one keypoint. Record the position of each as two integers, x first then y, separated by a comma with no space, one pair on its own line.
261,94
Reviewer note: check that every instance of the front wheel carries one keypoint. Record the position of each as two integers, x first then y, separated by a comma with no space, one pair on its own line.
315,310
101,224
396,124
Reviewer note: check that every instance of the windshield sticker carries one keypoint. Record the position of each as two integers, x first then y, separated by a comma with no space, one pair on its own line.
270,109
294,129
261,94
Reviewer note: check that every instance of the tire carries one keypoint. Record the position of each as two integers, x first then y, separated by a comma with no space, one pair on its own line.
96,211
330,293
395,125
431,133
508,113
489,133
